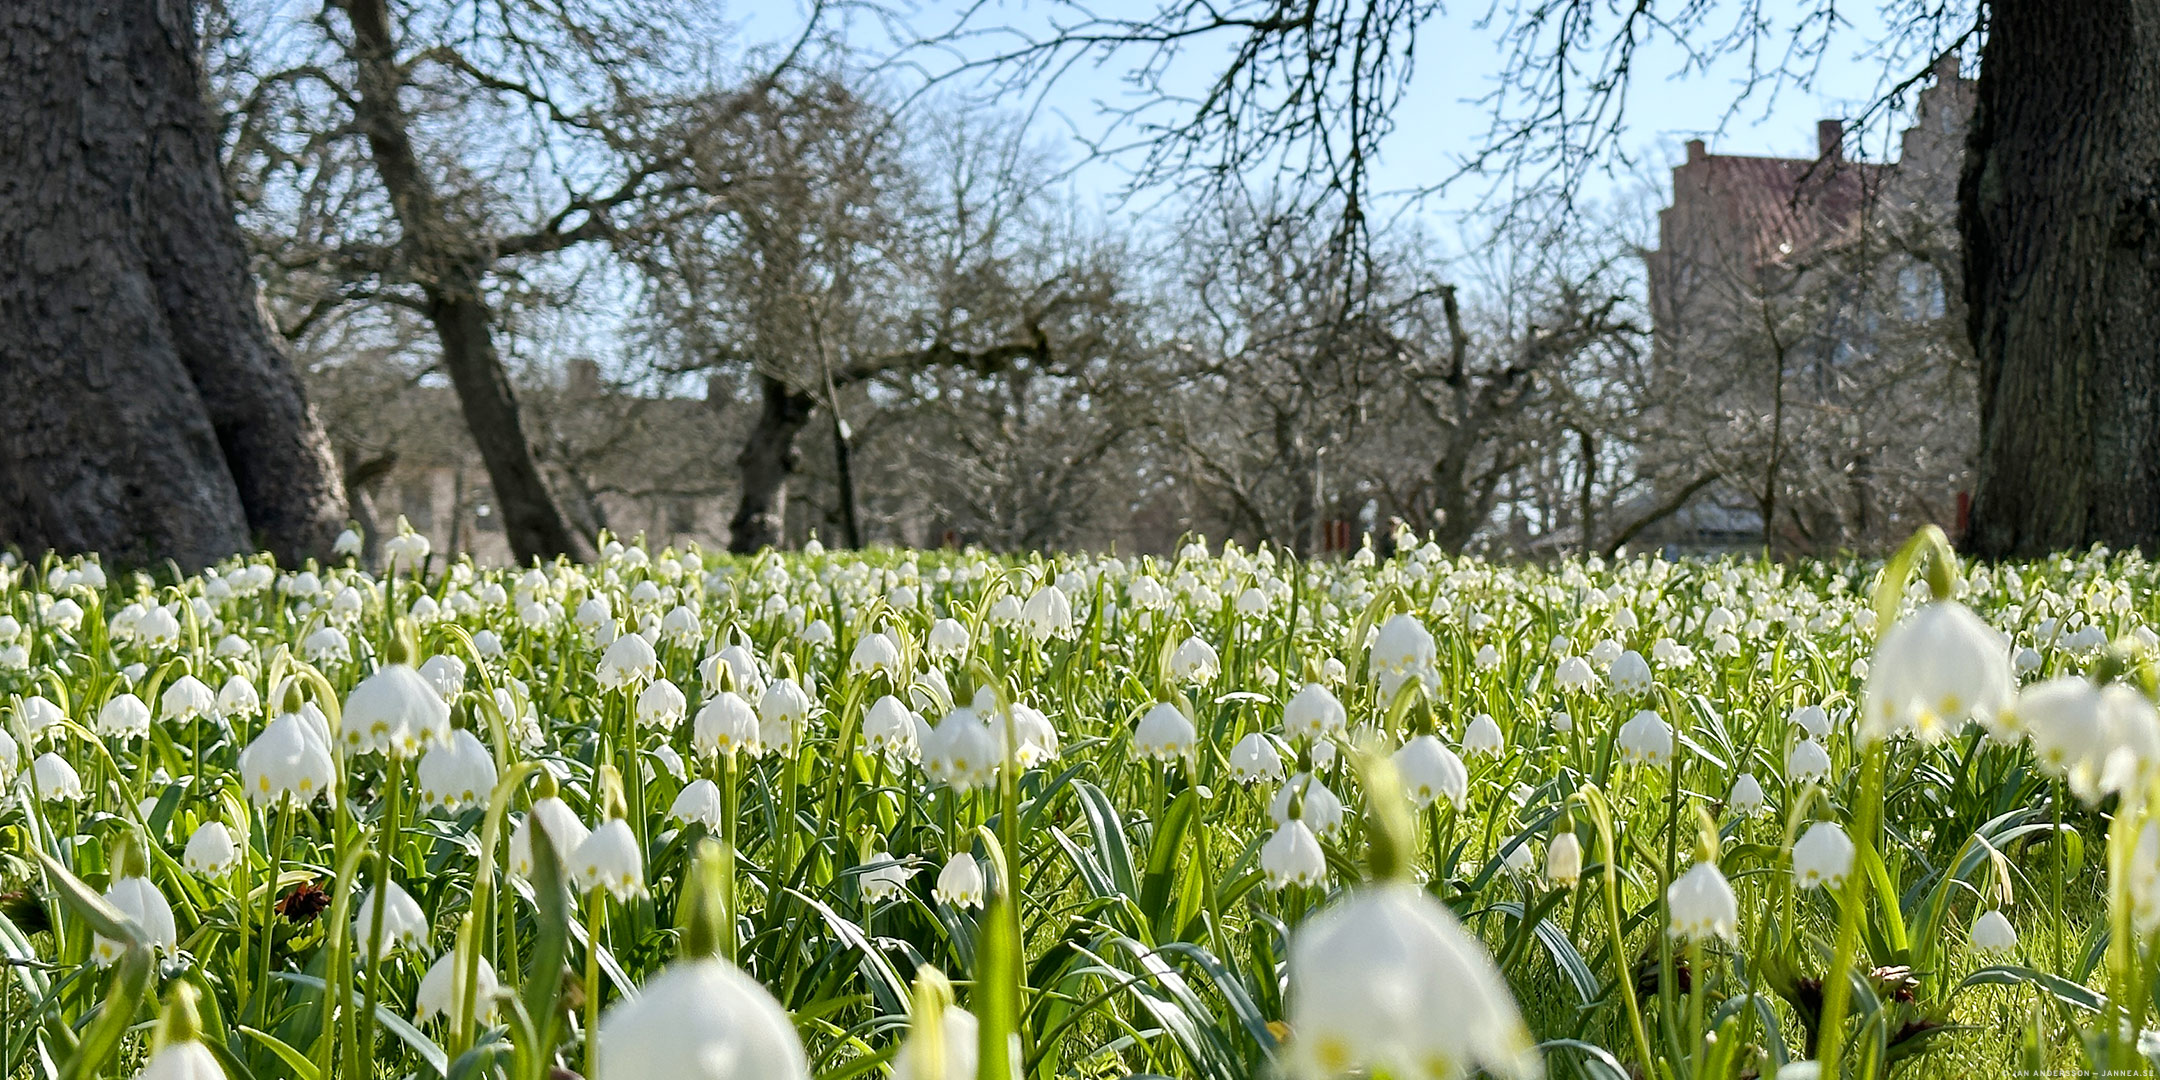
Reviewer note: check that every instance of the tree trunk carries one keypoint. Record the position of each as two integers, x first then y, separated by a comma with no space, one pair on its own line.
2059,208
151,414
768,459
451,268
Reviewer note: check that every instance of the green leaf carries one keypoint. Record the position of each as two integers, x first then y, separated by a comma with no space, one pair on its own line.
2065,991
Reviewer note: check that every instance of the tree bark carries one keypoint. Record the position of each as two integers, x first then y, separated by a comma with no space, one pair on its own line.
152,414
2059,208
450,267
768,459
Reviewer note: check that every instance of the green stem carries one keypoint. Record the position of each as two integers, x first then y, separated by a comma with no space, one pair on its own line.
729,801
385,875
1837,985
279,831
595,915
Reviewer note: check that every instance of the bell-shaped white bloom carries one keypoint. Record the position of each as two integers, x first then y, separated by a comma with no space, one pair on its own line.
1563,861
404,925
725,725
874,652
457,773
1386,981
35,715
1992,932
1813,719
288,760
394,712
1194,661
1822,856
1936,669
681,625
1806,761
187,1060
327,645
1746,796
1323,810
445,673
883,877
962,751
661,705
1047,614
1702,904
1630,675
960,883
608,858
700,1020
889,729
1430,771
948,639
123,717
1293,857
962,1050
145,906
347,544
233,647
487,643
1487,658
1646,739
1402,650
1255,758
186,699
1313,713
564,832
2101,740
1037,738
784,704
159,629
628,663
1165,733
1575,673
56,780
699,802
438,994
1483,736
237,698
212,851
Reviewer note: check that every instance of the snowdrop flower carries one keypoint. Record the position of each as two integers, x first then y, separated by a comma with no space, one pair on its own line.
564,832
1483,737
212,851
327,645
124,716
1822,856
1933,671
1403,650
1563,861
394,712
1630,675
660,705
889,729
700,1020
960,883
56,780
629,662
1487,658
784,702
1047,614
1519,858
699,802
962,751
405,551
725,725
182,1060
1992,932
237,698
1254,758
1313,713
186,699
608,859
1813,719
1431,771
1646,739
882,877
404,925
2026,660
233,647
1166,734
438,994
1746,796
875,652
1575,673
948,639
288,760
445,673
1293,857
145,906
1387,981
1194,661
1806,761
158,629
347,544
487,643
1323,810
1038,737
962,1050
457,773
1702,904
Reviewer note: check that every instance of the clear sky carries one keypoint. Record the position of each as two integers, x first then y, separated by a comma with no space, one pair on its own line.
1458,60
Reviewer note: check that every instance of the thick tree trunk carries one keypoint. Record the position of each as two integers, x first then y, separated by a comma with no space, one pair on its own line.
450,265
2060,215
151,414
768,459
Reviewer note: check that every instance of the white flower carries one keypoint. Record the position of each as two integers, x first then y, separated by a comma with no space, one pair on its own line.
186,699
438,994
289,758
1702,904
960,883
1806,761
681,625
1166,734
962,751
948,638
327,645
1822,856
700,1020
56,780
394,712
1293,857
1483,737
123,717
882,877
1630,675
962,1052
1313,713
1488,658
1575,673
238,698
564,832
348,543
1402,650
661,705
404,925
1813,719
629,662
1563,861
145,906
889,729
445,673
783,710
189,1060
1746,796
700,802
1038,738
211,851
457,773
608,858
1933,671
1323,810
1992,932
874,652
1194,661
726,724
1254,758
1387,981
1646,739
1047,614
1431,771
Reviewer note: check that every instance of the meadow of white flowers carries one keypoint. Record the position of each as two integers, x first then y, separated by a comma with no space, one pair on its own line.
946,814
